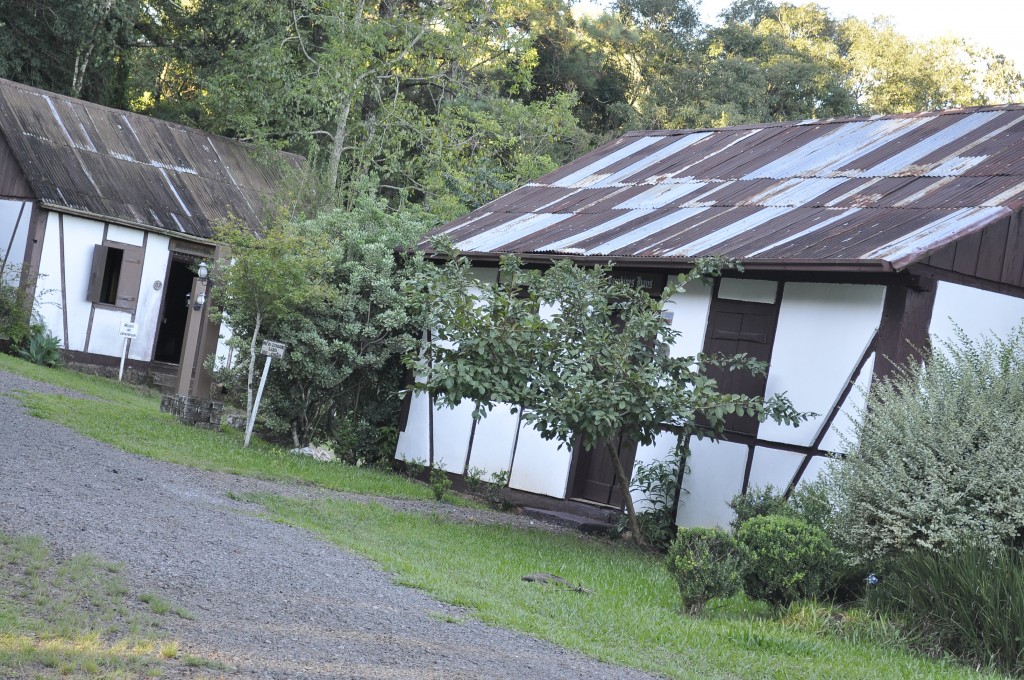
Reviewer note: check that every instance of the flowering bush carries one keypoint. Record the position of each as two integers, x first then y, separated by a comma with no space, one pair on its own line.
937,461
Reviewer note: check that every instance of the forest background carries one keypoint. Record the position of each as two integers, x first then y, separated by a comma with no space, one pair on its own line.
413,112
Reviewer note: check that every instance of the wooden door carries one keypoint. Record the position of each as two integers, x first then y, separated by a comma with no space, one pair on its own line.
741,327
594,478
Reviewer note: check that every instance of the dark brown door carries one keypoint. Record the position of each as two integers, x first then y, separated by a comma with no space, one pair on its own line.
594,476
594,479
740,327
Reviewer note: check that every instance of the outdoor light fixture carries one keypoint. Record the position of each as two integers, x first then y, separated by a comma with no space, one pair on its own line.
204,271
200,301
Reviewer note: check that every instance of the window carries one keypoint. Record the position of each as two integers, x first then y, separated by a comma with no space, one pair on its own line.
116,275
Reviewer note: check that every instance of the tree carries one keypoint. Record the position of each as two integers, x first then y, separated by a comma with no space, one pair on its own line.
585,356
331,288
265,281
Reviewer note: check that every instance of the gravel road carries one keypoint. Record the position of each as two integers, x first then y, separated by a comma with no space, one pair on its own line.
269,601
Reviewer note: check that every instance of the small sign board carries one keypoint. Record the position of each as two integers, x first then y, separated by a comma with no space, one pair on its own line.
129,329
272,348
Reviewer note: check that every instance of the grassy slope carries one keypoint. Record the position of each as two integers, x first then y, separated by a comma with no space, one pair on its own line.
130,419
632,617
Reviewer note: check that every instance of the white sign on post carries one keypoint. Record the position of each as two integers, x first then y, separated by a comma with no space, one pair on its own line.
129,330
271,349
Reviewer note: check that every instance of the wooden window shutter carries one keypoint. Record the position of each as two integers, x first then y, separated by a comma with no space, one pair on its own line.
131,277
99,263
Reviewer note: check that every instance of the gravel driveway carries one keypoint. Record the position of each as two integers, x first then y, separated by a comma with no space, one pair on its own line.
269,601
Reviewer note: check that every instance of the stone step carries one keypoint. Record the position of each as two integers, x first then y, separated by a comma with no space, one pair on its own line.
587,525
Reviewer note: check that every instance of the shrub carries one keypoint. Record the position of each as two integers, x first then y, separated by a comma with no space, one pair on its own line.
657,483
15,315
492,492
758,502
474,479
970,602
786,559
936,461
439,482
42,349
705,564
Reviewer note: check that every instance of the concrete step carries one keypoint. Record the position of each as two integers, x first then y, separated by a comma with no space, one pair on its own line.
587,525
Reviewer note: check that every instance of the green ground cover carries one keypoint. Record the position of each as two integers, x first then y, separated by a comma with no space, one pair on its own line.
633,616
130,419
74,618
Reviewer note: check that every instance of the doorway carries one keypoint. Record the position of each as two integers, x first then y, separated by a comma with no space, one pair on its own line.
170,337
741,327
593,477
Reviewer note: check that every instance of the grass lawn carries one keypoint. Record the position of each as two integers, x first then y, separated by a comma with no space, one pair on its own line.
633,616
130,419
73,619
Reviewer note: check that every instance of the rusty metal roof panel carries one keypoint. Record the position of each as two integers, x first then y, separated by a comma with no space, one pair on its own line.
879,191
129,168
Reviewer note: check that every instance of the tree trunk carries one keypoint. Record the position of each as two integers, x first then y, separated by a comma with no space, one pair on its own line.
84,54
620,476
338,143
252,368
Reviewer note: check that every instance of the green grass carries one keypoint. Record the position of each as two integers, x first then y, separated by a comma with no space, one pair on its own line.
135,424
71,618
633,616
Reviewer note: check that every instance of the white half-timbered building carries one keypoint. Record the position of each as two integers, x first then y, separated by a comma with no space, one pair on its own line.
861,239
105,215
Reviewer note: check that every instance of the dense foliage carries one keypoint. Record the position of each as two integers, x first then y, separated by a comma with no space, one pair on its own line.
449,103
786,559
705,564
970,602
331,288
936,461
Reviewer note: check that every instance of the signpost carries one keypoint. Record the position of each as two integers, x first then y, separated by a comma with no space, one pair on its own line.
271,349
129,330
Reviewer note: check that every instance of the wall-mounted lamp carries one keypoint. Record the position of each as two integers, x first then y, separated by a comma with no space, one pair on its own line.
200,301
204,271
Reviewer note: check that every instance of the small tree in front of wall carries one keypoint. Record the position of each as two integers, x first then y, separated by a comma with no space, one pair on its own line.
585,356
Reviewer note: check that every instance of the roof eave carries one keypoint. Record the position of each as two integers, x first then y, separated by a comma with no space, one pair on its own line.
681,263
184,236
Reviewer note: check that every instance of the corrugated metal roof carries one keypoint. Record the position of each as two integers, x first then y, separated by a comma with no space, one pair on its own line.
885,190
128,168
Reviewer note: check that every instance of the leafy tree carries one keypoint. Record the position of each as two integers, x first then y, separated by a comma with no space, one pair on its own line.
331,288
266,280
584,355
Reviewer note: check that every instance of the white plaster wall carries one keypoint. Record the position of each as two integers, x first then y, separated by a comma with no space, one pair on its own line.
843,426
540,466
105,338
815,469
80,237
976,312
452,427
823,331
147,313
749,290
716,475
48,298
494,440
414,441
690,317
224,356
13,234
127,235
663,448
772,466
